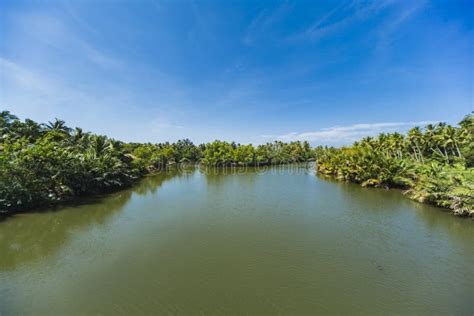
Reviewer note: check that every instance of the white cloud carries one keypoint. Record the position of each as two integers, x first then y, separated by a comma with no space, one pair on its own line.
345,134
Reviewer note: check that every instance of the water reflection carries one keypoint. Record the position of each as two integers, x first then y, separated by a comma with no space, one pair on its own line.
25,238
384,202
151,184
251,240
292,169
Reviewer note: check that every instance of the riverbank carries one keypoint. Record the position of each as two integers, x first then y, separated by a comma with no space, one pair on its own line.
433,165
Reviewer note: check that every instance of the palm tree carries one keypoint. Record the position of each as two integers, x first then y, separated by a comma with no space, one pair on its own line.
58,125
6,119
415,139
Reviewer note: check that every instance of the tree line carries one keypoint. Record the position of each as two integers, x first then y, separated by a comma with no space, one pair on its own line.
433,164
45,164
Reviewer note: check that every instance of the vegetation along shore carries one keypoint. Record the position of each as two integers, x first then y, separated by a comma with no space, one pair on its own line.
433,165
47,164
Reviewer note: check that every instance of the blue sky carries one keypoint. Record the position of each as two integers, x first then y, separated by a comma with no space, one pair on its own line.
250,71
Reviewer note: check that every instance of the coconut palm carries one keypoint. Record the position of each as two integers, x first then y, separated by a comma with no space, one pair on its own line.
57,125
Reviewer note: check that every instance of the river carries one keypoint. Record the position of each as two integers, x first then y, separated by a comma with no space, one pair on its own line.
262,241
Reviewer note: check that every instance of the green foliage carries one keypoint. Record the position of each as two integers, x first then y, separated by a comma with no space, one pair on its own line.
219,153
445,185
434,165
44,164
467,149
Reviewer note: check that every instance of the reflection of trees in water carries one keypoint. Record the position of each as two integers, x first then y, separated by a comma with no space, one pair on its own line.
387,201
217,177
151,183
436,218
28,237
25,238
371,199
247,175
298,168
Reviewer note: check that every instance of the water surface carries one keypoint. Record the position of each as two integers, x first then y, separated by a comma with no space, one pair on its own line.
273,241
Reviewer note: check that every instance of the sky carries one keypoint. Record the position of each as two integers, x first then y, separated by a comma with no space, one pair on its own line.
329,72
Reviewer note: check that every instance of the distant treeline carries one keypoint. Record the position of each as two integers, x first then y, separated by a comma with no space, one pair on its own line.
434,164
44,164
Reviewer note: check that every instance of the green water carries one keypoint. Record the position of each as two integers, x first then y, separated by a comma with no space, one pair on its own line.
277,241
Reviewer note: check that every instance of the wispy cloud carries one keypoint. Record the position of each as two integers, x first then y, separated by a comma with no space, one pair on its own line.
263,22
57,34
31,93
161,71
345,134
323,25
392,24
36,94
345,15
341,17
52,69
13,73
